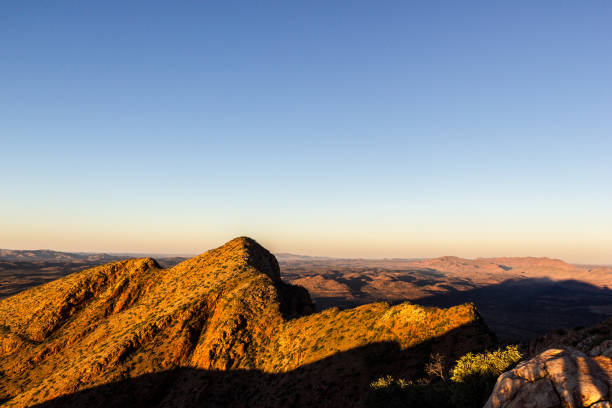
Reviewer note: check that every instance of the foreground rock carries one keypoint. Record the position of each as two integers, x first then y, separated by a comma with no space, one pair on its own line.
555,378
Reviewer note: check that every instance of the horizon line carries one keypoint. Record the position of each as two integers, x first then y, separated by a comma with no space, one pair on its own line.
278,254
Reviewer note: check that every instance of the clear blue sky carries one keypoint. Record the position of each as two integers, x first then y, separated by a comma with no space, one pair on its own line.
334,128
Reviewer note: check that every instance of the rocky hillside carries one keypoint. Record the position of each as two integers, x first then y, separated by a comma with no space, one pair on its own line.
132,333
594,340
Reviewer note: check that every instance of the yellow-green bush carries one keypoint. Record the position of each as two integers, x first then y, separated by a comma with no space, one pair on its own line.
391,392
389,381
484,364
472,380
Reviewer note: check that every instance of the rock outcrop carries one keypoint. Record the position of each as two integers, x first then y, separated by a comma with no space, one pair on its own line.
556,378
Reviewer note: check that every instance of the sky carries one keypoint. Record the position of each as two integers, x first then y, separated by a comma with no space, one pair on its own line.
357,129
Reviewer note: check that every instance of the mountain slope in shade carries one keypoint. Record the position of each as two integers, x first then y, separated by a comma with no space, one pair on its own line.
223,314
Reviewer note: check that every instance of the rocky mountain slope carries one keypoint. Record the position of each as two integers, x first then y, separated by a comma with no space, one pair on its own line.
132,333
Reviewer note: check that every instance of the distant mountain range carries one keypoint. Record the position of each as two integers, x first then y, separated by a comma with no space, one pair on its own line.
37,255
444,263
48,255
519,297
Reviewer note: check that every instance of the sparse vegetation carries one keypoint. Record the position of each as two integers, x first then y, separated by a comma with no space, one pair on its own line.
485,364
472,379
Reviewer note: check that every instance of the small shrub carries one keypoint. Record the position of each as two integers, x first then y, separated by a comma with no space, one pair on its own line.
474,375
387,382
390,392
436,366
472,380
485,364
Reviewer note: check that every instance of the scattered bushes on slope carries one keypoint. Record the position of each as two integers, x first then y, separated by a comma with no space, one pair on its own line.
393,392
472,379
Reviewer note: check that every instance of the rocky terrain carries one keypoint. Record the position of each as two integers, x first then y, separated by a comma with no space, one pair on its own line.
569,369
564,368
132,333
555,378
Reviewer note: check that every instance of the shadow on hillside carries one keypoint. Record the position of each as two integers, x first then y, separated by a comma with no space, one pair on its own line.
520,309
340,380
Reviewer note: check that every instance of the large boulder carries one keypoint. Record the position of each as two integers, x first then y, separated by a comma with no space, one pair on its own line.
555,378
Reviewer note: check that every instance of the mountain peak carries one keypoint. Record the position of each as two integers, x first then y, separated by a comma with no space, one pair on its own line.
259,257
248,252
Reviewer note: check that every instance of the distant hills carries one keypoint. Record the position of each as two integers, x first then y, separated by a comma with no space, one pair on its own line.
220,329
479,268
38,255
519,297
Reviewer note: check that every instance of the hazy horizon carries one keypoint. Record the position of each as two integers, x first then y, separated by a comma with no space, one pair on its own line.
311,255
472,129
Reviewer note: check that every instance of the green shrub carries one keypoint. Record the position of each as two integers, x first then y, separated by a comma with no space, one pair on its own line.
472,380
485,364
474,375
390,392
387,382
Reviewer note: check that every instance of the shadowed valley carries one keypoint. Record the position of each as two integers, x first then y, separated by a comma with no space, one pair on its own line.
519,298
